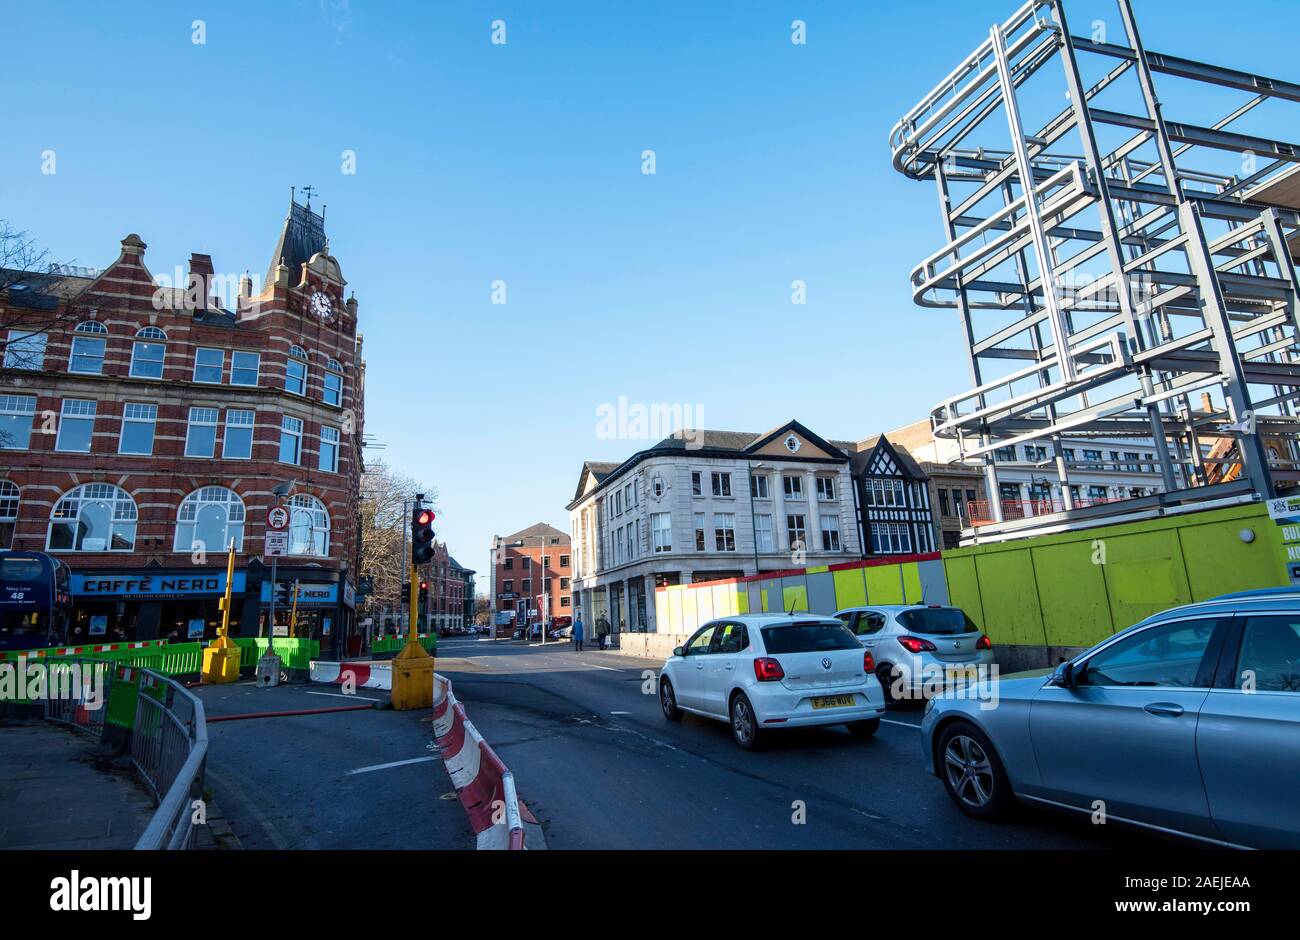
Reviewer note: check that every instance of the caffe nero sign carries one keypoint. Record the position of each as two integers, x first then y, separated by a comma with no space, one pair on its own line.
162,584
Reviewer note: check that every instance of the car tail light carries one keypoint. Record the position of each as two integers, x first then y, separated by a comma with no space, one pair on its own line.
767,669
914,644
984,643
868,662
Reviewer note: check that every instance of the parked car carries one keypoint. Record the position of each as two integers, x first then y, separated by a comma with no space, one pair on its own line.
914,643
1187,723
561,633
762,672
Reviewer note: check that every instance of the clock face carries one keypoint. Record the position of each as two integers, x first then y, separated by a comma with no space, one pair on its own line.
320,305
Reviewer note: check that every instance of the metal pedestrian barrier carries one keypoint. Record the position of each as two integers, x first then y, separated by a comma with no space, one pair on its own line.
167,742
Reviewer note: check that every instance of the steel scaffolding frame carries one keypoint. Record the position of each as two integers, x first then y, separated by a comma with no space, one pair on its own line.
1100,287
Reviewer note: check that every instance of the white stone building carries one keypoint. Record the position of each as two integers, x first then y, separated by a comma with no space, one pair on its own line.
704,506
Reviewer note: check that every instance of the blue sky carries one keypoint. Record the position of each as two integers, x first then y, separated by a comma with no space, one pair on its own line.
522,163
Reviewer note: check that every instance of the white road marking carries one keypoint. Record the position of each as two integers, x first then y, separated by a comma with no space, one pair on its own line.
620,713
396,763
341,695
905,724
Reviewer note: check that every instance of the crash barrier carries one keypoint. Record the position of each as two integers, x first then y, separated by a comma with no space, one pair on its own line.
365,675
1069,589
394,644
166,738
485,787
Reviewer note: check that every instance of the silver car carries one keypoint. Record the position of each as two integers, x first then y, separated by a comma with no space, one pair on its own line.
1187,723
917,647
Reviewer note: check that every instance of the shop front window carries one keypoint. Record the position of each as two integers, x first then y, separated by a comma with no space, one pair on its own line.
94,517
212,519
309,526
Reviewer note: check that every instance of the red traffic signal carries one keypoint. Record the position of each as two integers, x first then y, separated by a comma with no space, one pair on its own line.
421,535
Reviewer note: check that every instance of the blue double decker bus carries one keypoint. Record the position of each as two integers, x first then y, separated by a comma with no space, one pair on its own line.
35,602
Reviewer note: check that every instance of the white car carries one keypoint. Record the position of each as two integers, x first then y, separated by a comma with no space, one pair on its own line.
766,671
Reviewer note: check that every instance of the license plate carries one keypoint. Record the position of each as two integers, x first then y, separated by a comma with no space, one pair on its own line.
833,701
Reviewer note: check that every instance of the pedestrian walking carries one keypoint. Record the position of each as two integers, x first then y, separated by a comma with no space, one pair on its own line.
577,633
602,631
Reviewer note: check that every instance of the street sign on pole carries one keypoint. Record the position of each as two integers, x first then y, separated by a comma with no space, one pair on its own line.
277,518
276,543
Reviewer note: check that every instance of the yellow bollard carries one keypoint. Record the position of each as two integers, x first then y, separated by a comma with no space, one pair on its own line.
413,666
221,656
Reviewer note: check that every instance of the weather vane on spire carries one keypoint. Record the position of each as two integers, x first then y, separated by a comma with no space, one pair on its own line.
308,190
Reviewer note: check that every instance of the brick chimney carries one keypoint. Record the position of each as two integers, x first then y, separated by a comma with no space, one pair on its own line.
198,288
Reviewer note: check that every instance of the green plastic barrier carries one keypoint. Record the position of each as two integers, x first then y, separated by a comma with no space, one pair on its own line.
92,650
294,652
392,644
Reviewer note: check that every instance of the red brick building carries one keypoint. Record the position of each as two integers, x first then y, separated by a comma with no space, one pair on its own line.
142,435
527,565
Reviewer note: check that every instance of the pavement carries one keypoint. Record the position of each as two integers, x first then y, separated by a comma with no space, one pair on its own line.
365,779
601,768
56,794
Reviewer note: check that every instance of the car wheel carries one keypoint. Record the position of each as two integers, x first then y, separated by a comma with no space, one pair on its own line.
972,772
744,724
864,729
668,701
886,676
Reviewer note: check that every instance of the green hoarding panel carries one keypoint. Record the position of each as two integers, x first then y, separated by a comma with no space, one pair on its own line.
1144,574
964,587
1010,598
1072,593
850,588
911,583
883,585
1219,562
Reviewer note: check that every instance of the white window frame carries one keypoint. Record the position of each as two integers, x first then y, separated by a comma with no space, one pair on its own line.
724,531
148,336
758,484
78,412
792,486
92,331
25,350
335,442
240,423
128,417
235,370
16,406
202,413
287,423
764,533
825,489
297,356
661,532
191,506
831,528
221,364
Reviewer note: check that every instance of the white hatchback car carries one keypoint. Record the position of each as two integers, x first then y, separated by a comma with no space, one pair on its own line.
765,671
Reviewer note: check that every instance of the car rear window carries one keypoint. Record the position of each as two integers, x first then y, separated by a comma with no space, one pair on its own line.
937,621
813,636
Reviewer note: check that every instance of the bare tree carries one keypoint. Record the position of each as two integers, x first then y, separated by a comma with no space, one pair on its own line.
36,297
386,497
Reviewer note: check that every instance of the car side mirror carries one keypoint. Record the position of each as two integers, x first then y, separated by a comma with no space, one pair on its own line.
677,651
1064,676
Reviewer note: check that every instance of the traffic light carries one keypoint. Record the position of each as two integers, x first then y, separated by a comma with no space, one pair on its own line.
421,535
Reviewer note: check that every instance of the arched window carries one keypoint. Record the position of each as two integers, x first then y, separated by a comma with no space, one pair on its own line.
93,517
210,518
148,352
8,512
88,348
295,371
333,383
309,526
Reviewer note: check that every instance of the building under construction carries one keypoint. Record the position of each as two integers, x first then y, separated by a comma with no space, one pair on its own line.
1120,232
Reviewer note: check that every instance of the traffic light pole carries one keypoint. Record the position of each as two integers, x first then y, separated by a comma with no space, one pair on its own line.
413,666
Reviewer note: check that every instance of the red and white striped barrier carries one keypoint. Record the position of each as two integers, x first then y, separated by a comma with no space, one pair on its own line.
485,787
367,675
